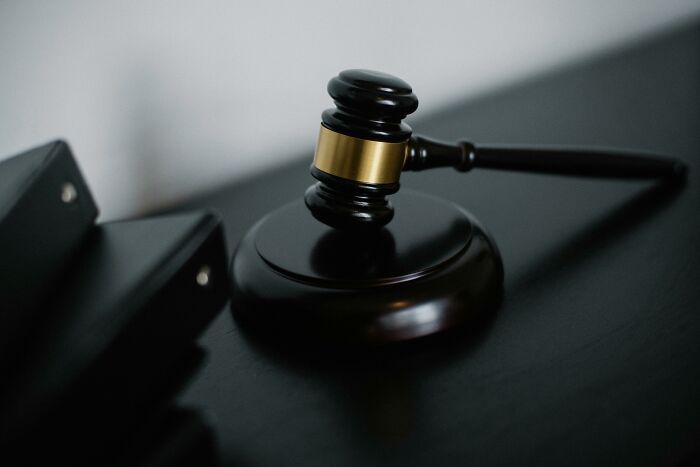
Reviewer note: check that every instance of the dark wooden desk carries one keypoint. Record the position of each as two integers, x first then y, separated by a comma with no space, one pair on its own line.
594,355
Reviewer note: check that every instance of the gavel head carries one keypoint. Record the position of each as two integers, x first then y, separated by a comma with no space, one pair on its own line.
361,150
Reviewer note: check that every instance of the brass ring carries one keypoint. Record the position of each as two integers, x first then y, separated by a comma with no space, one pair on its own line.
357,159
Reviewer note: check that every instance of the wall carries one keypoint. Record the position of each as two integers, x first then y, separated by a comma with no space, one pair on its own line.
162,99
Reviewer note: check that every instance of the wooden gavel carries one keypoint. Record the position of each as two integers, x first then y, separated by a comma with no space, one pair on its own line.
363,147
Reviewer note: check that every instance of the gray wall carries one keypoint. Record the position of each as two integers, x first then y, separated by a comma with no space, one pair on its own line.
162,99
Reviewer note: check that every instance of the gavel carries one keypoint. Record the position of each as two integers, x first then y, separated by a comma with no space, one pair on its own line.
363,146
365,275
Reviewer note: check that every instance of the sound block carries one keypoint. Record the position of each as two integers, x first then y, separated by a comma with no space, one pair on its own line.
432,268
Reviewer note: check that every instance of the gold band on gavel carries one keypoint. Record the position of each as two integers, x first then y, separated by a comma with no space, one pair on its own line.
357,159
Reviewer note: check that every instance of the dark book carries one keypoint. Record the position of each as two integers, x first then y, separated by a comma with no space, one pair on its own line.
46,210
117,337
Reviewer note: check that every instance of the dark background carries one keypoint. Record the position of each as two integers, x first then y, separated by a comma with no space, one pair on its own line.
592,358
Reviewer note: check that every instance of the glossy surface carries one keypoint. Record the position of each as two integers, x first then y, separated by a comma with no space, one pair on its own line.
349,205
424,153
405,281
370,105
399,252
351,192
591,359
357,159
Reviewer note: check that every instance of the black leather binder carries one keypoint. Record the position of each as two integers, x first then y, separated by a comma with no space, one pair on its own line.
46,210
116,336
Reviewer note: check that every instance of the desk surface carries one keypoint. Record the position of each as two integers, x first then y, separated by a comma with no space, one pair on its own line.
594,355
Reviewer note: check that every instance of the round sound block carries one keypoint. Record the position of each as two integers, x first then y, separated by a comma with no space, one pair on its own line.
432,268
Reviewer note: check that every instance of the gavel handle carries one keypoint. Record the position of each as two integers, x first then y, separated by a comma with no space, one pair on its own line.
424,153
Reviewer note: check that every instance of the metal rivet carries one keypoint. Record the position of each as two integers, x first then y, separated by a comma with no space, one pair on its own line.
68,193
204,276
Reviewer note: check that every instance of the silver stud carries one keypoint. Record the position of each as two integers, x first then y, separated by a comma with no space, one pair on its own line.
68,193
204,275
